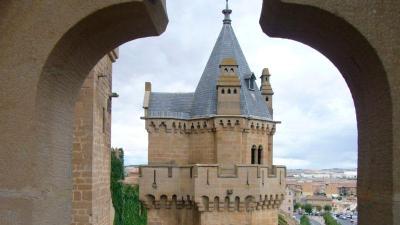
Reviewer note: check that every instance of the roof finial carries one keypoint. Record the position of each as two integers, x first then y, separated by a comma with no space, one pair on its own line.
227,12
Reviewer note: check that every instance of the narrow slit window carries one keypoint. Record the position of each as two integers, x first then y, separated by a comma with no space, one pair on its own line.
104,120
253,154
260,155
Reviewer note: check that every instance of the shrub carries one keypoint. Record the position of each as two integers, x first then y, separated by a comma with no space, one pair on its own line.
134,212
327,208
281,220
304,220
125,198
117,175
329,220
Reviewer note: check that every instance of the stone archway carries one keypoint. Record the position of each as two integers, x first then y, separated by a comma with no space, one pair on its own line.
47,50
361,40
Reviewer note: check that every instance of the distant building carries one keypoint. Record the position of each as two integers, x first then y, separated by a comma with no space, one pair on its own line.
329,187
132,175
288,202
317,200
347,189
350,174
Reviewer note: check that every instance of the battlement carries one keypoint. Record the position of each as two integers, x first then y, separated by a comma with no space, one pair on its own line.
210,187
170,125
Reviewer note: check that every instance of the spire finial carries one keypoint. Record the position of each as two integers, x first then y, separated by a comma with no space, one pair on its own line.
227,12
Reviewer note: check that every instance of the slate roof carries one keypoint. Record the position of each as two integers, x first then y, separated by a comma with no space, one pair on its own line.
170,105
203,102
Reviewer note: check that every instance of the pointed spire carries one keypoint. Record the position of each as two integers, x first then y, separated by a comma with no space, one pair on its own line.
227,12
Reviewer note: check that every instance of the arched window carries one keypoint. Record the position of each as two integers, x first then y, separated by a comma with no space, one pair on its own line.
237,203
223,91
253,154
226,205
216,203
205,201
234,91
260,154
229,91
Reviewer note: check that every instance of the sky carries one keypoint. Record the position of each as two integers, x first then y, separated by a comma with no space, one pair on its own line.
312,100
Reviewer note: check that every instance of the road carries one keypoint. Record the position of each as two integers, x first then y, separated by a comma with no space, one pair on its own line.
344,222
313,222
316,220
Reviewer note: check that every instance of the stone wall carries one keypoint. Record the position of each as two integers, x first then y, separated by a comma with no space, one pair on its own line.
208,195
361,38
47,51
185,215
257,217
91,149
203,183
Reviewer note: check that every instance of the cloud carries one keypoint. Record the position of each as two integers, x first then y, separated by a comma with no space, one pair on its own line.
311,98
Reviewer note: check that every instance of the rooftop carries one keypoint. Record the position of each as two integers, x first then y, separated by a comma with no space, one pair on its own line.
203,102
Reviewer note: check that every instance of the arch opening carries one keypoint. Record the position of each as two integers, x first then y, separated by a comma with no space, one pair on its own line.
361,66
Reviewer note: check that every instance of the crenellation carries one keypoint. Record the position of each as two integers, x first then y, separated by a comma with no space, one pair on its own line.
210,182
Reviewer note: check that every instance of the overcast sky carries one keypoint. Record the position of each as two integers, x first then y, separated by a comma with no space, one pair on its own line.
311,98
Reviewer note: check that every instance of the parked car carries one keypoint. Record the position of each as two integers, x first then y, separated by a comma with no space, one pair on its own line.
343,217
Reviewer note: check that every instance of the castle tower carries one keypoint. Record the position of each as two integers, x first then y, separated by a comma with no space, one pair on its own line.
210,151
266,89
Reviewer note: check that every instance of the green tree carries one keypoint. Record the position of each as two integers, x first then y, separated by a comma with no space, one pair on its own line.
296,206
304,220
307,208
327,208
117,175
318,208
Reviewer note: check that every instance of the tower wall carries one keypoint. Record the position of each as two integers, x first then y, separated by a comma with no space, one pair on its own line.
173,216
256,217
224,140
259,137
229,142
168,142
91,148
202,146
